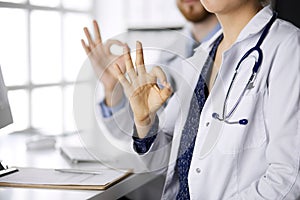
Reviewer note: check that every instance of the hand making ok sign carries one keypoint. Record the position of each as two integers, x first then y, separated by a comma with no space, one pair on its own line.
144,95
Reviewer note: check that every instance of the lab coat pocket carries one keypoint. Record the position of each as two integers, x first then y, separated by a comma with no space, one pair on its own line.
236,137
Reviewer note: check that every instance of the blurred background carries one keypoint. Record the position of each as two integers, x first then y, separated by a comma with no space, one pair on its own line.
41,54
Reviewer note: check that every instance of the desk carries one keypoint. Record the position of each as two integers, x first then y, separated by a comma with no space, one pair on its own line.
14,153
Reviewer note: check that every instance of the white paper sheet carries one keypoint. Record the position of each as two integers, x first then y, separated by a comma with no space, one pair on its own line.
51,177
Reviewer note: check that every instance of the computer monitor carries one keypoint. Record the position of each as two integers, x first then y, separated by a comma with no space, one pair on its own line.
5,112
5,119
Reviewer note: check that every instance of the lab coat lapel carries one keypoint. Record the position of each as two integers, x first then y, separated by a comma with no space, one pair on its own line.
256,24
191,71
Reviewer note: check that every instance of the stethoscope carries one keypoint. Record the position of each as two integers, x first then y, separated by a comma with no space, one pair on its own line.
225,117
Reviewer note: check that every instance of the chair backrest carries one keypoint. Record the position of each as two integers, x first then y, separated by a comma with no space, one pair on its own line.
288,10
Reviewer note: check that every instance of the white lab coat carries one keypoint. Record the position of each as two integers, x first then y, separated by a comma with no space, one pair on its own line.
256,161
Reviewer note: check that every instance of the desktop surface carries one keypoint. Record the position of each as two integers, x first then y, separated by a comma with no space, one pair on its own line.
14,153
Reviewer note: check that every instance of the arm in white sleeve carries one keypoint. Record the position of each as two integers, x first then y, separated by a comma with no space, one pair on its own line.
118,121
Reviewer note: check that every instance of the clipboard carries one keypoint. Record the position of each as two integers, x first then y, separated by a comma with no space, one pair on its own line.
52,179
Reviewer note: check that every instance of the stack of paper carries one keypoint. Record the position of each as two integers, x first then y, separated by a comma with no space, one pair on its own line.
50,178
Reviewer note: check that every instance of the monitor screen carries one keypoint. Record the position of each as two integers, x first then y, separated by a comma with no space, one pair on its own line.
5,113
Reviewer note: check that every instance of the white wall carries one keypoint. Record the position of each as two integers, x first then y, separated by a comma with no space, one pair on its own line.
116,16
111,17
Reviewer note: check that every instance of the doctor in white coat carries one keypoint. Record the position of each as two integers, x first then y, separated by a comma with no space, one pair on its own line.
247,142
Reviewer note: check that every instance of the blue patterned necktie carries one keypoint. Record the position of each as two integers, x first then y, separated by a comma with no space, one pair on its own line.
190,129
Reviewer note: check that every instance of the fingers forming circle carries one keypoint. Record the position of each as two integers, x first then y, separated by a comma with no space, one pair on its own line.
159,74
109,44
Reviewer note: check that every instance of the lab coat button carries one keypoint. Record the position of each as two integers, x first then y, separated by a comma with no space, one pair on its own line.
207,123
198,170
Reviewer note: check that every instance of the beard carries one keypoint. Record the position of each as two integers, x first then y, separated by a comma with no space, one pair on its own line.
193,15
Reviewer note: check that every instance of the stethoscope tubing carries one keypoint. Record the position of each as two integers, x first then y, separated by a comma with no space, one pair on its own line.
225,117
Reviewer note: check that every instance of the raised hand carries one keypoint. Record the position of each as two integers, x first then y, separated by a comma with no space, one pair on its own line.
144,95
102,61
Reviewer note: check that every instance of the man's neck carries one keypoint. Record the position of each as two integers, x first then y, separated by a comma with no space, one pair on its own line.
201,29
